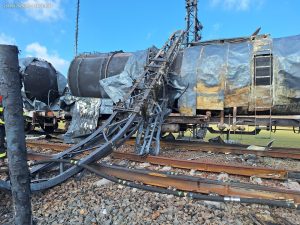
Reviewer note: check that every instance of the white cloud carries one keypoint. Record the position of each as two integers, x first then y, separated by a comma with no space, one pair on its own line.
37,50
44,10
238,5
7,40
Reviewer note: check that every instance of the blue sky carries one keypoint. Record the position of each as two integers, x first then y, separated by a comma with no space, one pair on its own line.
105,25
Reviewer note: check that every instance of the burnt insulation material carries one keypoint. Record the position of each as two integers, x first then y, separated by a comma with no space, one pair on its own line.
85,113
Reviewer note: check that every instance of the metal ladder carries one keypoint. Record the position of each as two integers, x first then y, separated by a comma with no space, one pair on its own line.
263,76
156,108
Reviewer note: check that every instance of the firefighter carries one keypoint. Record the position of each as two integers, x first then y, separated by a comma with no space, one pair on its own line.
2,132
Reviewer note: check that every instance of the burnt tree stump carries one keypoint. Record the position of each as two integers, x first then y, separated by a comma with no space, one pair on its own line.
10,89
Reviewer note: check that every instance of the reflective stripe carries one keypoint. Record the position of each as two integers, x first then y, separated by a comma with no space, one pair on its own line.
1,121
3,155
232,199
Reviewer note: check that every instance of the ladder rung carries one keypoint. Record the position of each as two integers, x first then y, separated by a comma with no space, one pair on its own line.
263,107
263,50
263,45
256,67
258,77
158,60
153,66
262,56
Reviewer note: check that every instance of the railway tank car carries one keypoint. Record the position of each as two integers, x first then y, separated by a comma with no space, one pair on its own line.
37,73
42,87
250,81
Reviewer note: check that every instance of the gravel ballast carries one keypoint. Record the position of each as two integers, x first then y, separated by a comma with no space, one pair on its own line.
88,199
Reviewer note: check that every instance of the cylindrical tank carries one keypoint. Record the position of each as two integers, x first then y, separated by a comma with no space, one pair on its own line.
87,70
39,79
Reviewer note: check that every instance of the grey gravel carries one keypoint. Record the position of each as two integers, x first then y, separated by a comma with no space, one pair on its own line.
90,200
83,202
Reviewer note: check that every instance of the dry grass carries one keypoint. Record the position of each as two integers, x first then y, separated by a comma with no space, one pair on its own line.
283,138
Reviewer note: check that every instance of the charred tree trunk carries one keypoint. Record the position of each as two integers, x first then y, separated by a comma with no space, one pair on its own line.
10,89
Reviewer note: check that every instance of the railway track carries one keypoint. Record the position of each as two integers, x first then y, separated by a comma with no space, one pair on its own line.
187,186
291,153
191,186
47,145
206,166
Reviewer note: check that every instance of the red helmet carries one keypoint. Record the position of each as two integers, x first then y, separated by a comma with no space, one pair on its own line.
0,98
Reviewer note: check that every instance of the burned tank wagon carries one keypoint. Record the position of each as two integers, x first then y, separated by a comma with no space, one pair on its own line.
37,73
254,80
253,74
87,70
42,87
96,75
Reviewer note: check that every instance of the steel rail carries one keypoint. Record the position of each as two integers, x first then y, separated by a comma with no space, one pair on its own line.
240,170
199,185
62,146
94,168
244,146
196,146
263,172
47,145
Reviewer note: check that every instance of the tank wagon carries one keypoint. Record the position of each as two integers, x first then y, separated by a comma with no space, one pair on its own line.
229,82
42,87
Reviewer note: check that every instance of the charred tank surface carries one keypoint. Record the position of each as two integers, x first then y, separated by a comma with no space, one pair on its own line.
40,80
87,70
88,73
42,88
253,74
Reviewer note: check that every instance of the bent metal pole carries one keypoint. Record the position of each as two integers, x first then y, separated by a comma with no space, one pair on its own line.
10,89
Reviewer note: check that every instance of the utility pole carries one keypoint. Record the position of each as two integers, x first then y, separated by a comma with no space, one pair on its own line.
193,25
10,89
76,27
